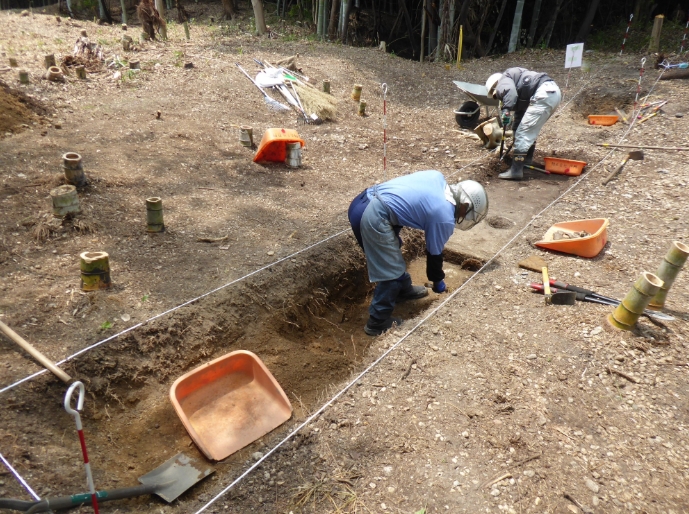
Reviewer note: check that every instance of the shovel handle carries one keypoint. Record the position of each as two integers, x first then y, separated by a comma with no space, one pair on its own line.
47,363
570,287
539,287
615,173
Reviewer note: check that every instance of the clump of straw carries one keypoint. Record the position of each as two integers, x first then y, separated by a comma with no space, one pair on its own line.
317,102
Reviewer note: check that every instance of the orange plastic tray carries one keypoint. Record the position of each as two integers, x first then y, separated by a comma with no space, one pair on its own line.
273,144
229,402
603,119
589,246
564,166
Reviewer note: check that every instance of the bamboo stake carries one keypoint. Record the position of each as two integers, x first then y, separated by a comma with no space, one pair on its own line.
674,148
47,363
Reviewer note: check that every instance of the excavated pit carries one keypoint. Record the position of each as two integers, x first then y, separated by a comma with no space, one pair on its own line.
303,318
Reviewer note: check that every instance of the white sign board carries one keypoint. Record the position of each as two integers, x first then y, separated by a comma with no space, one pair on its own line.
574,54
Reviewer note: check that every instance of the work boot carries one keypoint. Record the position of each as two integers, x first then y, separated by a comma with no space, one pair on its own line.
409,291
376,326
528,161
516,171
413,293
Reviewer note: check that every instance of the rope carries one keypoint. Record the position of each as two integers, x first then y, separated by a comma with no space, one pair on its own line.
19,478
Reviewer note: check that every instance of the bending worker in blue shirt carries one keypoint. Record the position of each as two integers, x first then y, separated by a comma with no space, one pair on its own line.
421,200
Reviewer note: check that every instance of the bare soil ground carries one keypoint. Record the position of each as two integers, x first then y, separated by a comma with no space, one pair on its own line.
493,386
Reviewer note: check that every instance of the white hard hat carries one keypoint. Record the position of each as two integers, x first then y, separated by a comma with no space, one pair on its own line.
492,83
471,203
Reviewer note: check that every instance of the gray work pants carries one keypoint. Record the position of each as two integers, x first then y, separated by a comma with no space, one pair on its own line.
543,103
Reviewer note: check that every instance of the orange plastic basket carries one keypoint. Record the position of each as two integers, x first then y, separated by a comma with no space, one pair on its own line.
564,166
229,403
273,144
588,246
603,119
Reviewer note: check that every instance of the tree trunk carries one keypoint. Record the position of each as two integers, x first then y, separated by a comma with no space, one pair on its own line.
423,29
444,30
534,23
496,27
410,28
548,32
516,27
347,7
160,6
228,9
586,24
258,15
332,27
478,49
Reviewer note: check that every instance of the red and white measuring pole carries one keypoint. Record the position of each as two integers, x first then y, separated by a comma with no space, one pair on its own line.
80,430
626,34
384,87
684,38
638,86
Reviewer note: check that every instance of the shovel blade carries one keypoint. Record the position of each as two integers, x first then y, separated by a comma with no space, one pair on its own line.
176,475
564,298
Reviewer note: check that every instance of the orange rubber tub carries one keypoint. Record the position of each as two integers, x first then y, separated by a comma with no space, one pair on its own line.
603,119
229,402
564,166
588,246
273,145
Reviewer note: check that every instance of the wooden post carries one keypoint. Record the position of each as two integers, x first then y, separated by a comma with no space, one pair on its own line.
655,34
459,48
154,214
49,60
74,170
65,200
95,271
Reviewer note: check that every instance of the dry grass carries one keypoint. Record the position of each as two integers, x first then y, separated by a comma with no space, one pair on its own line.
317,102
330,491
40,232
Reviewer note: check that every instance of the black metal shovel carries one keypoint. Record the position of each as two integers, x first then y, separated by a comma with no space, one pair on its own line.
169,480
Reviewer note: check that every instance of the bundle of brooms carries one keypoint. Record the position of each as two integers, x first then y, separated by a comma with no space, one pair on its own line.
316,102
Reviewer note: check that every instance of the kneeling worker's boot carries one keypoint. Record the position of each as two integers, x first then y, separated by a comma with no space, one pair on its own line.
516,171
528,160
376,326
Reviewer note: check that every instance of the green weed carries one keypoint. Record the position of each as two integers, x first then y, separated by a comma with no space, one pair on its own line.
144,298
106,325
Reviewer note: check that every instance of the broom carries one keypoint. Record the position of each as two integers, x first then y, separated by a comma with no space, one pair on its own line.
317,102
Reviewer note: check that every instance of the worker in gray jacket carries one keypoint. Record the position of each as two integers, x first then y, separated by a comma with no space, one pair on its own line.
533,97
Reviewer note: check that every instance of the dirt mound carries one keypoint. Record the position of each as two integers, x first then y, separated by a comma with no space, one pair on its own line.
604,99
16,109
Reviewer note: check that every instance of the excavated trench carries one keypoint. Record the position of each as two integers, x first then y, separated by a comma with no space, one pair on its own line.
303,318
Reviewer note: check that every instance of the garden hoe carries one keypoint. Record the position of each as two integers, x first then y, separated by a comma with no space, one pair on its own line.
636,155
169,480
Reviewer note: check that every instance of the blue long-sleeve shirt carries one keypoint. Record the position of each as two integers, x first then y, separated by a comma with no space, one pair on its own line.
418,200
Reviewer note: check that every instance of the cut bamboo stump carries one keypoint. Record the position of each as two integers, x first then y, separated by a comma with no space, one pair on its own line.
74,171
669,268
627,313
154,214
23,76
49,60
55,74
356,92
326,86
13,62
127,42
362,108
81,72
65,200
293,159
95,271
134,65
246,136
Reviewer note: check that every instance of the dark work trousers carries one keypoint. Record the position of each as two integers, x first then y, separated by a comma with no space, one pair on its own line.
386,292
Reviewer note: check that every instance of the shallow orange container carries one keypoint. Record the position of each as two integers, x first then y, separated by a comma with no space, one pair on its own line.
564,166
229,402
603,119
588,246
273,145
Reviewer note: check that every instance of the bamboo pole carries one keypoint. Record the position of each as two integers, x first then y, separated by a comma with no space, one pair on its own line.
459,48
47,363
